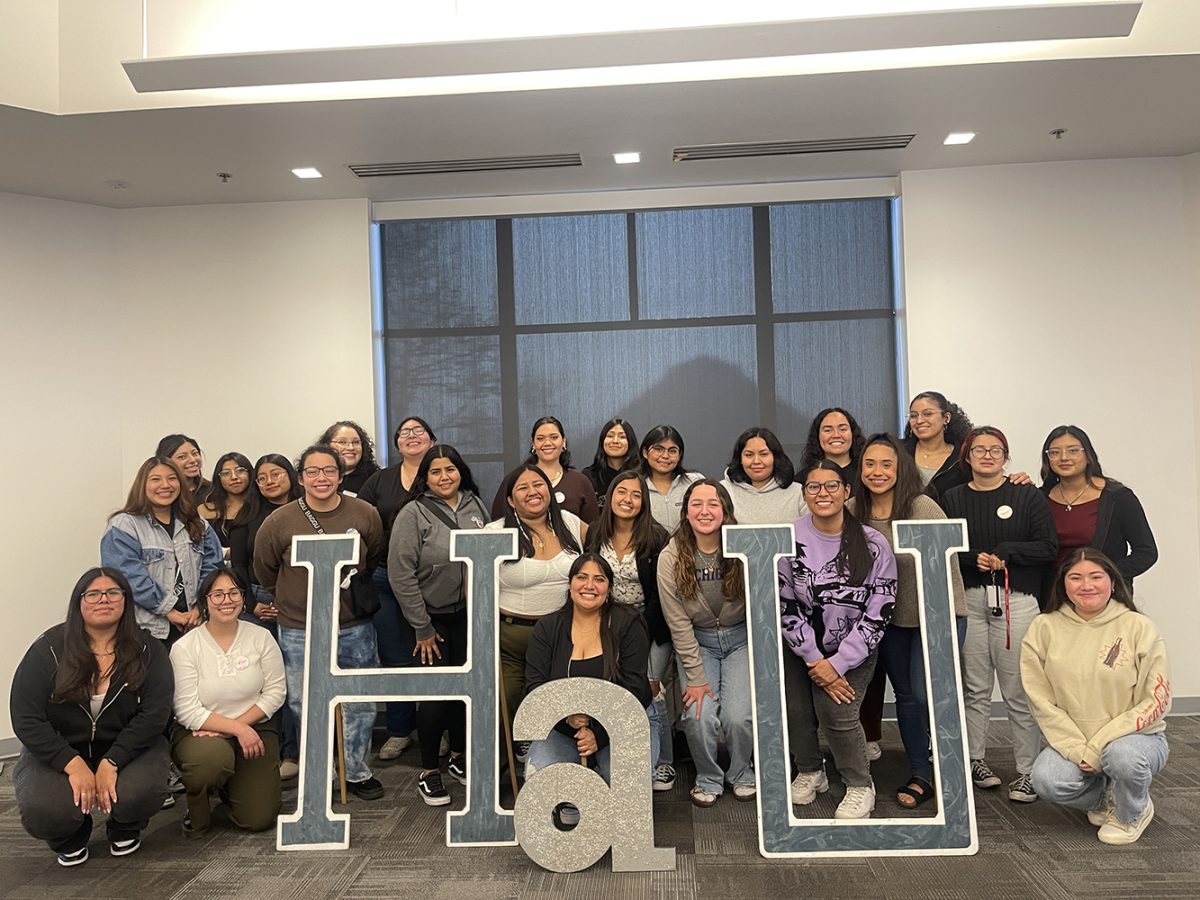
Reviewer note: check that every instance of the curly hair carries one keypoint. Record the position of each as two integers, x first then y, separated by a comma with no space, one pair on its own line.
956,429
813,453
367,465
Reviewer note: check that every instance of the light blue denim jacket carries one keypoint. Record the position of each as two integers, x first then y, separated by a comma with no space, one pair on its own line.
140,548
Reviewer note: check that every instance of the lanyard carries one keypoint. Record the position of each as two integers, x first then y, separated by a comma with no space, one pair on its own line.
998,612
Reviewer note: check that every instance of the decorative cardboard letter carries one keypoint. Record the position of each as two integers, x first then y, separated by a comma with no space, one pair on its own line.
781,833
618,816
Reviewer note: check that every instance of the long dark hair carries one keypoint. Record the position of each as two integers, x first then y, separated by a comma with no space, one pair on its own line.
648,536
1092,470
854,559
169,445
1058,592
218,497
367,464
732,582
77,670
608,644
656,435
908,480
564,458
184,507
443,451
784,472
554,517
295,492
600,460
813,453
956,428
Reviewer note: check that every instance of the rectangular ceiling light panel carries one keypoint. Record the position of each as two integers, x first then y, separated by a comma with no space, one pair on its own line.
449,166
790,148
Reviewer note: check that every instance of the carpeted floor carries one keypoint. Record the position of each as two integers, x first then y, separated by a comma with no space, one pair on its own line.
398,850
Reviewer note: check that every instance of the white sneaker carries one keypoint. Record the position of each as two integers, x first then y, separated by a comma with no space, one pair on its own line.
807,785
1103,813
394,746
288,769
1114,832
857,804
873,751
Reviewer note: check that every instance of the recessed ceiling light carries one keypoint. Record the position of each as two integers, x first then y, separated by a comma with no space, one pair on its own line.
623,159
959,137
306,173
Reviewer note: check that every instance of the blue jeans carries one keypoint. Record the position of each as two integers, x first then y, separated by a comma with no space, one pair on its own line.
356,650
396,642
289,728
660,658
900,653
726,659
558,748
1127,765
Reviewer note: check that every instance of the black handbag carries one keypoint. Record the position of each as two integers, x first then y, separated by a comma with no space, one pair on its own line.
364,599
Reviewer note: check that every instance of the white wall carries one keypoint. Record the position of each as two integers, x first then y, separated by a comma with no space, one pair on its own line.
1066,292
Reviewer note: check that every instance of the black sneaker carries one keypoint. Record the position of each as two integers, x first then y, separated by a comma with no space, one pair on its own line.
124,848
429,786
169,801
370,789
521,751
191,831
456,768
78,858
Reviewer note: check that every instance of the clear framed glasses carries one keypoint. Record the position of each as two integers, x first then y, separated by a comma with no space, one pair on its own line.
226,474
926,414
414,431
271,476
233,595
812,488
314,471
1068,452
355,442
112,595
671,452
993,452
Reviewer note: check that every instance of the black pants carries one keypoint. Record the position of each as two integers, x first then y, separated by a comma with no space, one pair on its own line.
436,716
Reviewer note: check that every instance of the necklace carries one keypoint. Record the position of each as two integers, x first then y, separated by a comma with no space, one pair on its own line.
710,562
1071,503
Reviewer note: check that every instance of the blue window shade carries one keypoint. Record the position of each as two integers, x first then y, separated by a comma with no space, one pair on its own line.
440,274
570,269
695,263
831,256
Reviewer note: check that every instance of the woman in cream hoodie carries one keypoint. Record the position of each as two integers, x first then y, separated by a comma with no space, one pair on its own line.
1095,671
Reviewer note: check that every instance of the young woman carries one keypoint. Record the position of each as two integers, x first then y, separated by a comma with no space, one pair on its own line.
666,478
231,495
357,451
933,437
1096,673
431,594
535,584
762,482
834,435
161,545
229,683
389,491
890,490
629,540
1093,511
89,703
1012,541
704,603
589,637
614,452
186,454
836,596
572,490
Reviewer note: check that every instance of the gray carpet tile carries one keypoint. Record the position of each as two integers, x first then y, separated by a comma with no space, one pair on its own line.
398,849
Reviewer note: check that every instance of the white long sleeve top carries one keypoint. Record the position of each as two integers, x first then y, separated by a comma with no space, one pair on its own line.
208,680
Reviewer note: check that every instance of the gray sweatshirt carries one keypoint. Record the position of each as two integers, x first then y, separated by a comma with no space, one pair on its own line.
419,568
768,505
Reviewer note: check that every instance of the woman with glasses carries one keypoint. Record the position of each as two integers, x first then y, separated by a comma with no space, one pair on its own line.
614,452
834,435
933,437
573,491
357,451
389,491
231,495
186,453
229,683
836,598
1012,539
666,478
89,704
1090,510
762,482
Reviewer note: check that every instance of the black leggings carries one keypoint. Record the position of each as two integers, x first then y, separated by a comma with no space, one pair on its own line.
436,716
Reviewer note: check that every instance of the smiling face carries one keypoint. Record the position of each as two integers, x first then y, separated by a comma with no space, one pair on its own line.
879,468
224,600
189,459
926,418
530,497
443,478
704,510
589,587
626,499
1067,456
162,486
663,456
348,444
234,477
835,435
1089,588
319,477
616,444
758,462
987,456
273,482
97,608
825,493
413,440
548,443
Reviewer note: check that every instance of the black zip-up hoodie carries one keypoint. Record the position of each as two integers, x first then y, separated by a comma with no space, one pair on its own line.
129,720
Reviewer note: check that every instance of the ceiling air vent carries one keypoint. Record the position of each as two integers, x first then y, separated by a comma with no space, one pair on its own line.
445,166
791,148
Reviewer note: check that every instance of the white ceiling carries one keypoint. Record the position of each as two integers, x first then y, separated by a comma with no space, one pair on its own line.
1118,106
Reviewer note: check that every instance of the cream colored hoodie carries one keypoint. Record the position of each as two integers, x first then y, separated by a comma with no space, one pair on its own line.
1089,683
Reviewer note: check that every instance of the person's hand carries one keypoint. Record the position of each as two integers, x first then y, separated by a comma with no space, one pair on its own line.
585,742
193,618
822,673
83,784
1020,478
250,742
1084,767
200,732
694,696
106,785
428,649
840,691
988,562
655,687
578,720
266,611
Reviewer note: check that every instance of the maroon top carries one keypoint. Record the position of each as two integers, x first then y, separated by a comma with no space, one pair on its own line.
1076,527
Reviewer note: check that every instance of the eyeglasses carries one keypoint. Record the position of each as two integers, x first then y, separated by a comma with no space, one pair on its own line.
660,450
1059,453
926,414
415,431
233,595
271,476
812,488
981,452
234,473
314,471
353,443
112,595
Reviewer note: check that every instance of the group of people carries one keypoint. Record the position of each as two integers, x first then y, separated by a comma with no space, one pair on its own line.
184,650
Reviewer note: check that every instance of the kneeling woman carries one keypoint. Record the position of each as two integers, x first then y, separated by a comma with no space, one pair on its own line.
89,702
229,683
1095,671
836,596
704,602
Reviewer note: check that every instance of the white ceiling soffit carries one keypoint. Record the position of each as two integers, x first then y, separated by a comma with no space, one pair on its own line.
1048,21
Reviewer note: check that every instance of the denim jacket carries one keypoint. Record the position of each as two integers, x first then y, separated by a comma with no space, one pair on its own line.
140,548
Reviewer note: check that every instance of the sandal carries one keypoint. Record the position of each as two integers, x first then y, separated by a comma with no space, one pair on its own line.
916,793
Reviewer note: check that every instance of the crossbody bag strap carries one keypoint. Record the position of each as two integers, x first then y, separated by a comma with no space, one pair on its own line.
312,520
445,517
